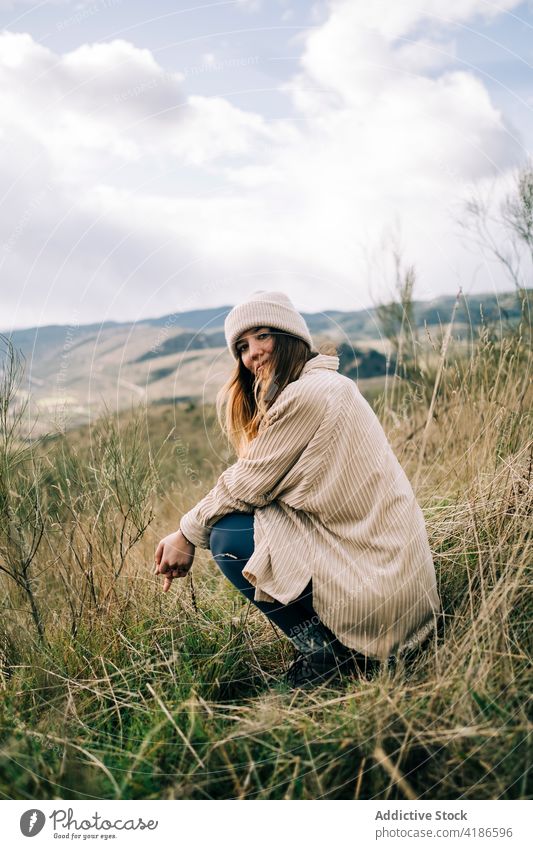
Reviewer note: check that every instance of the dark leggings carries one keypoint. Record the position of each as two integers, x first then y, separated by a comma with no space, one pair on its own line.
232,544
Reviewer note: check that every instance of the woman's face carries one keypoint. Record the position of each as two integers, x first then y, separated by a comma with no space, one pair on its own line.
255,347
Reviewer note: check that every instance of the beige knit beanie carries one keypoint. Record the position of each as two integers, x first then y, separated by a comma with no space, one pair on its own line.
265,309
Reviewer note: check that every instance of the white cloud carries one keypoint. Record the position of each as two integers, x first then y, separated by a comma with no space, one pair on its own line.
105,103
114,178
362,46
390,133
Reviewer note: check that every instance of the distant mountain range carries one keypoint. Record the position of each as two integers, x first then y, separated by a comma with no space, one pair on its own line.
72,370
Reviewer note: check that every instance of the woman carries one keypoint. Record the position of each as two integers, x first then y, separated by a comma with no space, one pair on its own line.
316,522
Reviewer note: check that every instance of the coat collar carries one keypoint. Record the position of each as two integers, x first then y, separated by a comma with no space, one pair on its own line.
321,361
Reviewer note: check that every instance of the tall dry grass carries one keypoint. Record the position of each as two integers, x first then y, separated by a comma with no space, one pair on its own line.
111,689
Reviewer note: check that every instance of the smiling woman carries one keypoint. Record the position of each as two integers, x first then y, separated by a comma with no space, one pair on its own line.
316,523
269,357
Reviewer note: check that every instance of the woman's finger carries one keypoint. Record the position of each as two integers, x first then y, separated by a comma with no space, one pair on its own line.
163,568
159,566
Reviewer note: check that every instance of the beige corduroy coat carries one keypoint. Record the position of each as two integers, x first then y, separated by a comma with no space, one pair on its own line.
331,503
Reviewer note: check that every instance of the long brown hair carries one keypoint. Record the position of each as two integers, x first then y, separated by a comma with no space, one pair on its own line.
243,401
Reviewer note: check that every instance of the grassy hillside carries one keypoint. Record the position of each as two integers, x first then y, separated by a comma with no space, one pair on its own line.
113,690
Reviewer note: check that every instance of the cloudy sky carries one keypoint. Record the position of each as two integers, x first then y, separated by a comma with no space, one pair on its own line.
166,156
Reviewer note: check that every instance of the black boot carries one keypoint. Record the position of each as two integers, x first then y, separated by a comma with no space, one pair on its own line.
322,657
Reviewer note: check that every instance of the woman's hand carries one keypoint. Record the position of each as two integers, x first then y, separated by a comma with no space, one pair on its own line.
173,558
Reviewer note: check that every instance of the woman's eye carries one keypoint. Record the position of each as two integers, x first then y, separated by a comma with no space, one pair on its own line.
259,336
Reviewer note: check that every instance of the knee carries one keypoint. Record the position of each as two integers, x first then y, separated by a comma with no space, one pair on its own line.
230,535
223,541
